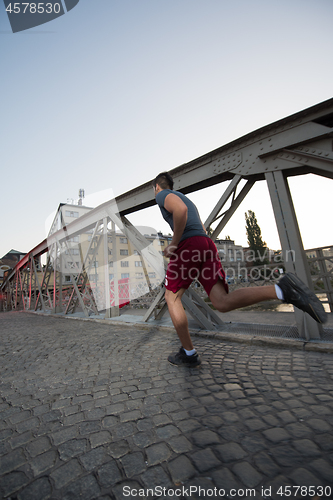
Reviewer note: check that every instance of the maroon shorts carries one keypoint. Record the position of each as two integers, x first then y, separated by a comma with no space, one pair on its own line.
195,258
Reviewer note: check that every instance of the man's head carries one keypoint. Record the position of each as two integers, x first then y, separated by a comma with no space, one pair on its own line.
164,181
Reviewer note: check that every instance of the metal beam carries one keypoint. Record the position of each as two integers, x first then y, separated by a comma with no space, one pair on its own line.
223,200
292,246
236,201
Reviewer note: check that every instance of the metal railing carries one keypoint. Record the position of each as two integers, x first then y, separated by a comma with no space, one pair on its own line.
24,292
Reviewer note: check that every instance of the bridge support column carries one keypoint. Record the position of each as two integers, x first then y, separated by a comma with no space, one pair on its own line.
292,246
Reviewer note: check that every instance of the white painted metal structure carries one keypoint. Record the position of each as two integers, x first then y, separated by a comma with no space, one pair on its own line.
297,145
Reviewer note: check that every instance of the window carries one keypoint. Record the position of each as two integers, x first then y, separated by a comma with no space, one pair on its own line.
138,263
152,275
239,255
124,275
123,251
124,263
111,263
110,251
123,240
73,251
162,243
70,213
136,252
139,275
110,277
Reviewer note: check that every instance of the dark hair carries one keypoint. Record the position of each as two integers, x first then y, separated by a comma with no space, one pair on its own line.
164,180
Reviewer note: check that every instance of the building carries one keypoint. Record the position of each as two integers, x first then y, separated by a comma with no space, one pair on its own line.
103,255
9,261
320,260
232,259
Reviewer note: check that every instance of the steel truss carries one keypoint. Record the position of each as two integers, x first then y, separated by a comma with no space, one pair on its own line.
297,145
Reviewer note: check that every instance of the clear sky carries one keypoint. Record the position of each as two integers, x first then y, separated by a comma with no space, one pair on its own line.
115,91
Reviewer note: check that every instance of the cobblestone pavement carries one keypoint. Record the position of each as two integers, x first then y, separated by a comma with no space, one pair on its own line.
94,411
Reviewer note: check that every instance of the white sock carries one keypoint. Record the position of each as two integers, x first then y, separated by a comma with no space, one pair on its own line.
279,292
189,353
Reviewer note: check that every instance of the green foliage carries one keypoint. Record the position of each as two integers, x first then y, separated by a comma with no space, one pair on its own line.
254,238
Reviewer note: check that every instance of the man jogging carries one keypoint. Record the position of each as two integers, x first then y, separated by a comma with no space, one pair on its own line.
193,255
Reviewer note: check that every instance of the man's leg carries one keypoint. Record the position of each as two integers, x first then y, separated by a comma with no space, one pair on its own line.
178,317
293,291
243,297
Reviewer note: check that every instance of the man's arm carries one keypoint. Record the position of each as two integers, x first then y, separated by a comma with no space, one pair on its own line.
178,209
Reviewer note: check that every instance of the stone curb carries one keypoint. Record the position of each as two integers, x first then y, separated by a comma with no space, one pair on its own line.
302,345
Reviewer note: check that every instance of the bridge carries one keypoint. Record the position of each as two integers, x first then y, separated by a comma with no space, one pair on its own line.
296,145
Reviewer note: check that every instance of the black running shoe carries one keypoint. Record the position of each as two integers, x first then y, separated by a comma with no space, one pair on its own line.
182,359
297,293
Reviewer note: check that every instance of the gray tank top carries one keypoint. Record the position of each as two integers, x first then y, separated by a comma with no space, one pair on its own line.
193,224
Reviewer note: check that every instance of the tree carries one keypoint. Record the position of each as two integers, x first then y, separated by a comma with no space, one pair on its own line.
254,239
